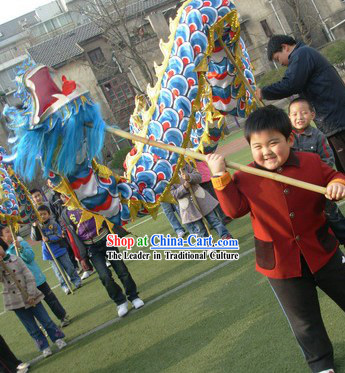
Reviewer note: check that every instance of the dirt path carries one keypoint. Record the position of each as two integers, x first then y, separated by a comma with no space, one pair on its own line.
232,147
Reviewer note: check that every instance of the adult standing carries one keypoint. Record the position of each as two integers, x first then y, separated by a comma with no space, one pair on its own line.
310,74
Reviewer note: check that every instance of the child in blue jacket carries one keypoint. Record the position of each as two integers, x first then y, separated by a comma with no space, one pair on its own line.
28,256
52,235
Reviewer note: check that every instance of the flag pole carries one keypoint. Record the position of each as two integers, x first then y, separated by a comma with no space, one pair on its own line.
229,164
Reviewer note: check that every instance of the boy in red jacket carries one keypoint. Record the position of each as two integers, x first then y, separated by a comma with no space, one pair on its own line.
295,248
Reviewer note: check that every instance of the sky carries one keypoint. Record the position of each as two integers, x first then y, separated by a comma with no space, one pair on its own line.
10,9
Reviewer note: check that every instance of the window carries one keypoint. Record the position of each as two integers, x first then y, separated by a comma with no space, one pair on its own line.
245,35
266,28
120,96
12,72
65,19
96,56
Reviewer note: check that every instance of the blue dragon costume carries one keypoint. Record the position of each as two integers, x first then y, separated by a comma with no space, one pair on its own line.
196,87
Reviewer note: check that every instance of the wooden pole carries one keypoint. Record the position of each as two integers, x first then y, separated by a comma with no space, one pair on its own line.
233,165
240,72
14,237
56,262
14,279
199,209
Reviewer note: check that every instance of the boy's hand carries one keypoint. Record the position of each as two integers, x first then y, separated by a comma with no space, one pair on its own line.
216,164
258,94
185,176
335,191
45,239
31,301
186,184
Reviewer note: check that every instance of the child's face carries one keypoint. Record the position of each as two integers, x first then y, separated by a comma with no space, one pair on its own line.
7,236
270,148
300,115
44,216
37,198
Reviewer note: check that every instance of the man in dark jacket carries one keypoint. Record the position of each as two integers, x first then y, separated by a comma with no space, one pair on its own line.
312,76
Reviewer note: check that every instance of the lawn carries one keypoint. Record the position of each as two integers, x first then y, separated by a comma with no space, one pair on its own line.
200,316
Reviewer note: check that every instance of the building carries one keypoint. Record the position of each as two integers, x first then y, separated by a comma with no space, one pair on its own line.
69,36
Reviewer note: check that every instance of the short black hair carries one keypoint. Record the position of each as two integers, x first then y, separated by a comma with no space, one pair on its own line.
267,118
35,190
44,208
301,99
275,44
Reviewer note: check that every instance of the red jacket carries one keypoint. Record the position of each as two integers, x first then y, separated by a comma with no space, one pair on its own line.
287,221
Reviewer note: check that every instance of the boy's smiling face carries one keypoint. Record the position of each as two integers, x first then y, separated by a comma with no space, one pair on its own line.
300,115
37,198
270,148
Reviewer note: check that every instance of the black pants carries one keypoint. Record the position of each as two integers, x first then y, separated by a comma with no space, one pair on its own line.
299,301
98,256
337,143
8,361
52,302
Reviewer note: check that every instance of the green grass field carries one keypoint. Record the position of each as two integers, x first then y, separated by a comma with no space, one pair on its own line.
225,320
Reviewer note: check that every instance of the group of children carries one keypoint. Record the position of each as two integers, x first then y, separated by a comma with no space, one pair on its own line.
87,241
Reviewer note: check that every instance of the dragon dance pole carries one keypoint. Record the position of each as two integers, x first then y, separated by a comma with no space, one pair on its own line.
39,228
57,263
13,237
240,72
199,209
236,166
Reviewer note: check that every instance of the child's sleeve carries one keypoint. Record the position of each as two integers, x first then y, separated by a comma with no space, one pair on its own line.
26,252
195,176
35,234
232,201
330,175
56,233
179,191
324,150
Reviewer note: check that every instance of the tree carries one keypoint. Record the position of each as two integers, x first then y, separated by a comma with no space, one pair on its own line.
123,37
298,9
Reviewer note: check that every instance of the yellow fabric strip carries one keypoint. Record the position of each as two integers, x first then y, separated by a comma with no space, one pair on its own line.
340,181
219,183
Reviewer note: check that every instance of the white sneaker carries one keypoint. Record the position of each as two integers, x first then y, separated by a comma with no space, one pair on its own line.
60,344
137,303
122,309
66,290
23,367
47,352
181,234
327,371
86,275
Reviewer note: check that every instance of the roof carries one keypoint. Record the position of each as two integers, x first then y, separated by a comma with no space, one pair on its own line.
15,26
61,48
144,6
